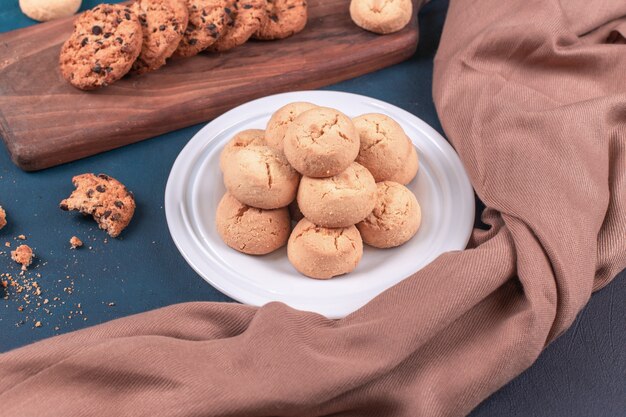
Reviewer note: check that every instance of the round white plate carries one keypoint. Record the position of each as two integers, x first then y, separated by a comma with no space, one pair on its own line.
195,187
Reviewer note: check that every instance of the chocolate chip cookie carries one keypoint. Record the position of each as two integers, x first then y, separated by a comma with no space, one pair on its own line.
247,18
103,197
101,50
284,18
208,20
164,23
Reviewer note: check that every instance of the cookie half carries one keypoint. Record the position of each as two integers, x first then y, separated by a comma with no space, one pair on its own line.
164,23
208,20
101,50
103,197
284,18
247,18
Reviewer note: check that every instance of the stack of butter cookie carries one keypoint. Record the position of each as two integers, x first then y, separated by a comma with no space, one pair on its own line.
342,180
111,40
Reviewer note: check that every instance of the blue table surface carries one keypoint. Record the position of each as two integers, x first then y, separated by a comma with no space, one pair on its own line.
581,374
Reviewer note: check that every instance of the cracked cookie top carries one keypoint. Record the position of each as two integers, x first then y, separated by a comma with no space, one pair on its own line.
385,147
321,142
338,201
260,176
280,121
323,253
381,16
241,140
251,230
395,219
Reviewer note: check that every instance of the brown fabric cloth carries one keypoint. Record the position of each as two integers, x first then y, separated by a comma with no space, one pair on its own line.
532,94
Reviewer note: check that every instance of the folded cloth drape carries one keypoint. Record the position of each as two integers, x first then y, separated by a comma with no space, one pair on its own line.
532,95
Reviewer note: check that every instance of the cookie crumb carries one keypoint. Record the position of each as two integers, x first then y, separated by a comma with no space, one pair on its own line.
21,237
38,324
3,218
75,242
7,244
23,255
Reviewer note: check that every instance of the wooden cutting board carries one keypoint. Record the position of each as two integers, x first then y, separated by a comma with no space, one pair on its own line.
45,122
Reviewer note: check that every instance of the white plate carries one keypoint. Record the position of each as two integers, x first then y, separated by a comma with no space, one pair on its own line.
195,187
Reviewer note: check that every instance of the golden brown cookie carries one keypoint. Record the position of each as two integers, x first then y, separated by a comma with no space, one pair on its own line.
163,22
251,230
44,10
322,253
395,218
339,201
409,170
103,197
101,50
260,176
321,142
381,16
23,255
241,140
3,218
280,121
208,20
284,18
247,18
385,148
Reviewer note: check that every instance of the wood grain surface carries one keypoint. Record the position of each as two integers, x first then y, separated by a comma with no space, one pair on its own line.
44,121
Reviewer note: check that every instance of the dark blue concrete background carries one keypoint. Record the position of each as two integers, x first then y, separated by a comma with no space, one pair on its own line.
582,374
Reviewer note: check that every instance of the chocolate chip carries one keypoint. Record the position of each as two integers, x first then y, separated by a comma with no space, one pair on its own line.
89,193
247,6
162,28
115,217
227,10
107,35
84,42
118,20
120,40
127,16
108,69
211,27
64,207
107,214
97,69
96,30
104,177
274,17
119,204
101,188
193,41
